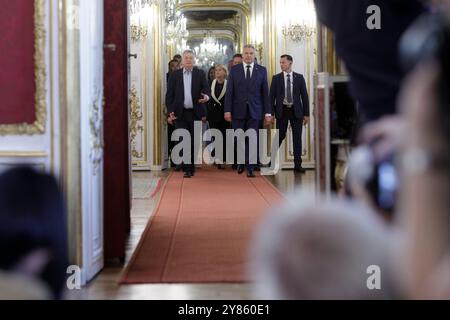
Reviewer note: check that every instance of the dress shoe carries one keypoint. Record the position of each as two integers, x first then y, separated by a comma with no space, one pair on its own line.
300,170
241,169
257,168
251,174
234,167
178,168
220,166
187,174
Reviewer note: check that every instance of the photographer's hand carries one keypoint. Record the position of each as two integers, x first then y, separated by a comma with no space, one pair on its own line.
385,135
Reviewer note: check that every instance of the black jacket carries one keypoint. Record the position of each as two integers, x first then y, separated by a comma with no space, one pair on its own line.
175,93
299,94
216,110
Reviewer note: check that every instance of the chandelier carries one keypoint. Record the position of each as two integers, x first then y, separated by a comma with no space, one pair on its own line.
141,18
176,22
210,52
300,24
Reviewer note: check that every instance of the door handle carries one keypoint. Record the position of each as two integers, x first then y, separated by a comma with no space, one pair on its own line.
110,46
133,55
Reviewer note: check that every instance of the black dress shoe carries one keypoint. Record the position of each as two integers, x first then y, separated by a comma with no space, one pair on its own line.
187,174
220,167
300,170
234,167
178,168
251,174
241,169
257,168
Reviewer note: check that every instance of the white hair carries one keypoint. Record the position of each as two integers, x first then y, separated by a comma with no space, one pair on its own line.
306,250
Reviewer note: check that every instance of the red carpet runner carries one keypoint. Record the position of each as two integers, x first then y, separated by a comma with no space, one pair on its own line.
202,229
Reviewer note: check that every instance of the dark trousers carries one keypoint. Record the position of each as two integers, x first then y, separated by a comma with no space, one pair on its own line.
187,122
222,126
297,128
247,124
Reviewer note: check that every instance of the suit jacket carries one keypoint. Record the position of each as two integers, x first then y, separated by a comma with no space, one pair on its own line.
255,93
299,94
216,110
175,93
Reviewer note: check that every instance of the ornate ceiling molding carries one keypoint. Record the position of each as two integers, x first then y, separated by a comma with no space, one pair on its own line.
243,7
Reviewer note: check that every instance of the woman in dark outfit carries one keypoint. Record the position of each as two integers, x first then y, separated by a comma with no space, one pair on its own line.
216,108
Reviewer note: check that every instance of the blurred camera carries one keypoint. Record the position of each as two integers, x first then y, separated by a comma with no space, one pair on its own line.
428,39
379,179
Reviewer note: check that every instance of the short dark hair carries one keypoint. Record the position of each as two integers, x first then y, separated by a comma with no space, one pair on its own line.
177,56
237,55
172,61
288,57
33,217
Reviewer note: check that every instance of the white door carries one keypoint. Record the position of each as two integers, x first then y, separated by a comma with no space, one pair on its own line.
91,75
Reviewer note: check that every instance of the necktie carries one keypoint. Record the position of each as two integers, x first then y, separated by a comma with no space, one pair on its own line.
289,90
249,75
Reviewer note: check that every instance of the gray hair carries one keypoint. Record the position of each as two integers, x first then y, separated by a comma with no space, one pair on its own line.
306,250
188,51
249,46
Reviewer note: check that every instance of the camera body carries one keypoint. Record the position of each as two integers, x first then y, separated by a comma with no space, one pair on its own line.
377,178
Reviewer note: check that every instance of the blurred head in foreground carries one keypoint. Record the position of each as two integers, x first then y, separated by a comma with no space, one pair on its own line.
334,250
33,239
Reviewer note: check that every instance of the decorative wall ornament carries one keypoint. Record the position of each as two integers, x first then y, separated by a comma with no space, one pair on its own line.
141,18
135,117
38,127
298,32
96,128
138,33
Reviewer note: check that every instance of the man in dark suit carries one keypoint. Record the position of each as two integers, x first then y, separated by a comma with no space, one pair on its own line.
289,96
186,98
247,100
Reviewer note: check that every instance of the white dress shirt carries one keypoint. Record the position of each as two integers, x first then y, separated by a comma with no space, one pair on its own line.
187,79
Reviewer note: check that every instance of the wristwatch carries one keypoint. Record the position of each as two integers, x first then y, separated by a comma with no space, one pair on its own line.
418,160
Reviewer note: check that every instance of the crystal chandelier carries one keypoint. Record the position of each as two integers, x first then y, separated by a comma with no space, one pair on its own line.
176,22
141,18
210,52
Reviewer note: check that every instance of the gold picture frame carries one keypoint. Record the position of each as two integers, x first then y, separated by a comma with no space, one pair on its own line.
38,127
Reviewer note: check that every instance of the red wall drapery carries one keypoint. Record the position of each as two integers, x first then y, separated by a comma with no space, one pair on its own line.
116,169
17,64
